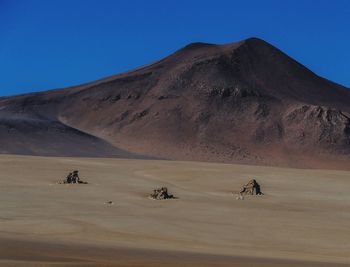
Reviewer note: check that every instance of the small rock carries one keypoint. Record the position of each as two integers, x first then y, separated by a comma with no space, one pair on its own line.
160,194
72,178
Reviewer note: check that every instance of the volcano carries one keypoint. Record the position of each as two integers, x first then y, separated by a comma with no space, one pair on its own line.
245,102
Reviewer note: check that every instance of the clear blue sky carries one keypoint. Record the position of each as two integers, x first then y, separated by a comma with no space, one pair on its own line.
47,44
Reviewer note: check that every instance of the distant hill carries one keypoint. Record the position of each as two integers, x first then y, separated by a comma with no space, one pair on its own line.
245,102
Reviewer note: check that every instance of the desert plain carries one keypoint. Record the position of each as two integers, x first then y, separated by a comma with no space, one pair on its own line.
303,218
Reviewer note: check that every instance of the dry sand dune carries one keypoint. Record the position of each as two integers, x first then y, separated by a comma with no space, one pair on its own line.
302,220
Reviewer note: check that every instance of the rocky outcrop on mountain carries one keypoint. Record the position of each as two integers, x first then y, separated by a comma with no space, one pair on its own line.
320,127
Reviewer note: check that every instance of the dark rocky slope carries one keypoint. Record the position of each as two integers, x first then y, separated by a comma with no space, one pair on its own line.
244,102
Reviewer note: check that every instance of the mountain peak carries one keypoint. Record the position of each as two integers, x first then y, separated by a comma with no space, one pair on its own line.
244,102
255,40
196,45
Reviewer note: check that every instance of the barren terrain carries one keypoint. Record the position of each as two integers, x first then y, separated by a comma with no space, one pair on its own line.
302,220
245,102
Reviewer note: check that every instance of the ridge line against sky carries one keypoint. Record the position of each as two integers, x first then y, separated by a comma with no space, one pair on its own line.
54,44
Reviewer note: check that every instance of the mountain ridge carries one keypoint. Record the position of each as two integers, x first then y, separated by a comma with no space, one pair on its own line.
245,102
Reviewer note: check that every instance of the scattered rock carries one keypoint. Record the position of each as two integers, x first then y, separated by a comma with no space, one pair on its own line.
160,194
251,188
109,203
72,178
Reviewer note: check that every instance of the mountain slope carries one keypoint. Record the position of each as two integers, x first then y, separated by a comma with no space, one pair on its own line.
243,102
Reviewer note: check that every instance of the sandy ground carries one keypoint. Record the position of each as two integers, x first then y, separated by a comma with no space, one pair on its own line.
302,220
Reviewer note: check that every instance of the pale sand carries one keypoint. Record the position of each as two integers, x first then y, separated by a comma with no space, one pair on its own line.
304,215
